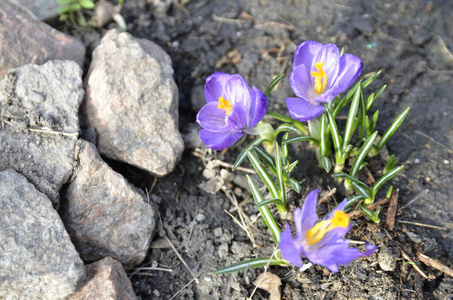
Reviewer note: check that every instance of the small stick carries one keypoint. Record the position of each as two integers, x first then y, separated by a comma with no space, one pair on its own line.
391,211
435,264
357,213
422,225
192,227
155,269
75,134
182,260
417,268
326,197
368,174
189,283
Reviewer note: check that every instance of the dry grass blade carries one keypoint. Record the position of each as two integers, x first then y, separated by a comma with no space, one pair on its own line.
435,264
182,260
422,225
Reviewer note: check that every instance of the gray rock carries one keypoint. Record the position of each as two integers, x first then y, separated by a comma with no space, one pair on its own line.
38,260
25,40
132,102
104,214
386,259
39,129
106,279
42,9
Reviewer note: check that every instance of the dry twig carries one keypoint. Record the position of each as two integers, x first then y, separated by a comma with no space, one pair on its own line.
435,264
416,267
422,225
391,211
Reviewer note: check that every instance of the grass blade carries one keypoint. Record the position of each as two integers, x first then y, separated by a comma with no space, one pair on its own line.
248,264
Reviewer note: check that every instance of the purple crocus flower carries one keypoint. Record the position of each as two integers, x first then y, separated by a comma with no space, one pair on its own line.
319,75
320,242
232,109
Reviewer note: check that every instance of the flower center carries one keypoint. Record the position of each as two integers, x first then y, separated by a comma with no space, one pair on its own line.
225,105
317,232
320,78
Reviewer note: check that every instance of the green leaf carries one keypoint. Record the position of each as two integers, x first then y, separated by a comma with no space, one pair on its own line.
248,264
349,129
391,163
285,150
366,147
352,201
286,119
294,184
324,147
272,85
391,130
243,153
75,7
269,160
62,10
378,184
63,18
374,120
371,79
264,211
352,179
362,116
371,101
263,174
389,192
326,164
87,4
280,177
300,139
374,216
64,1
291,167
335,135
287,128
269,201
346,99
361,190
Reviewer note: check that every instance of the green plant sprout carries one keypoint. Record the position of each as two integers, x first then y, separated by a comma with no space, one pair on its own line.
72,10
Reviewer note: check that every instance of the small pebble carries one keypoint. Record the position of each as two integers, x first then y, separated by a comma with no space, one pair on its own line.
386,260
207,279
200,217
446,162
217,231
416,161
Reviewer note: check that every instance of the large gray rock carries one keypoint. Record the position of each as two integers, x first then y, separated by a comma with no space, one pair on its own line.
104,214
37,259
132,102
106,279
25,40
39,129
42,9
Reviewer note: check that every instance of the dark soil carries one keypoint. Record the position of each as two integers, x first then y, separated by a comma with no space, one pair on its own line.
409,40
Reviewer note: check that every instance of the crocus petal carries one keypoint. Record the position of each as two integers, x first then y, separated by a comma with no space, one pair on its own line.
301,83
259,108
237,119
212,118
305,53
340,206
215,86
288,248
302,110
306,218
330,56
350,70
238,91
219,140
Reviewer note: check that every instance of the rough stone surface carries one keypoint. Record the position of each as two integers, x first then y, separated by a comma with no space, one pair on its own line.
132,102
42,9
104,214
39,129
386,260
37,258
25,40
106,280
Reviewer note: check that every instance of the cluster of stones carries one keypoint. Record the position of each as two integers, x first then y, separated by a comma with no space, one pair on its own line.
70,225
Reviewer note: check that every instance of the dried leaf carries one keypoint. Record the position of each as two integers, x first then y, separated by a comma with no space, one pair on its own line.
270,283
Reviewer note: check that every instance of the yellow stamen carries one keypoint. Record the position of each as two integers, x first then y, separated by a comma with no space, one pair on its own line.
320,78
225,105
315,234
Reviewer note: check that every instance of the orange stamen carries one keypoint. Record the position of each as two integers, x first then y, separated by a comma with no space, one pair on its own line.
320,78
317,232
225,105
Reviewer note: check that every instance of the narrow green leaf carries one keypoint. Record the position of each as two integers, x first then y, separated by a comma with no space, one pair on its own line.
362,115
366,147
63,18
87,4
352,201
285,151
264,211
374,120
378,184
391,130
361,190
249,264
280,177
374,216
371,79
75,7
326,164
268,159
286,119
269,201
272,85
288,128
64,1
300,139
291,167
391,163
294,184
263,174
323,143
352,115
370,102
353,180
389,192
335,135
346,99
243,153
62,10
